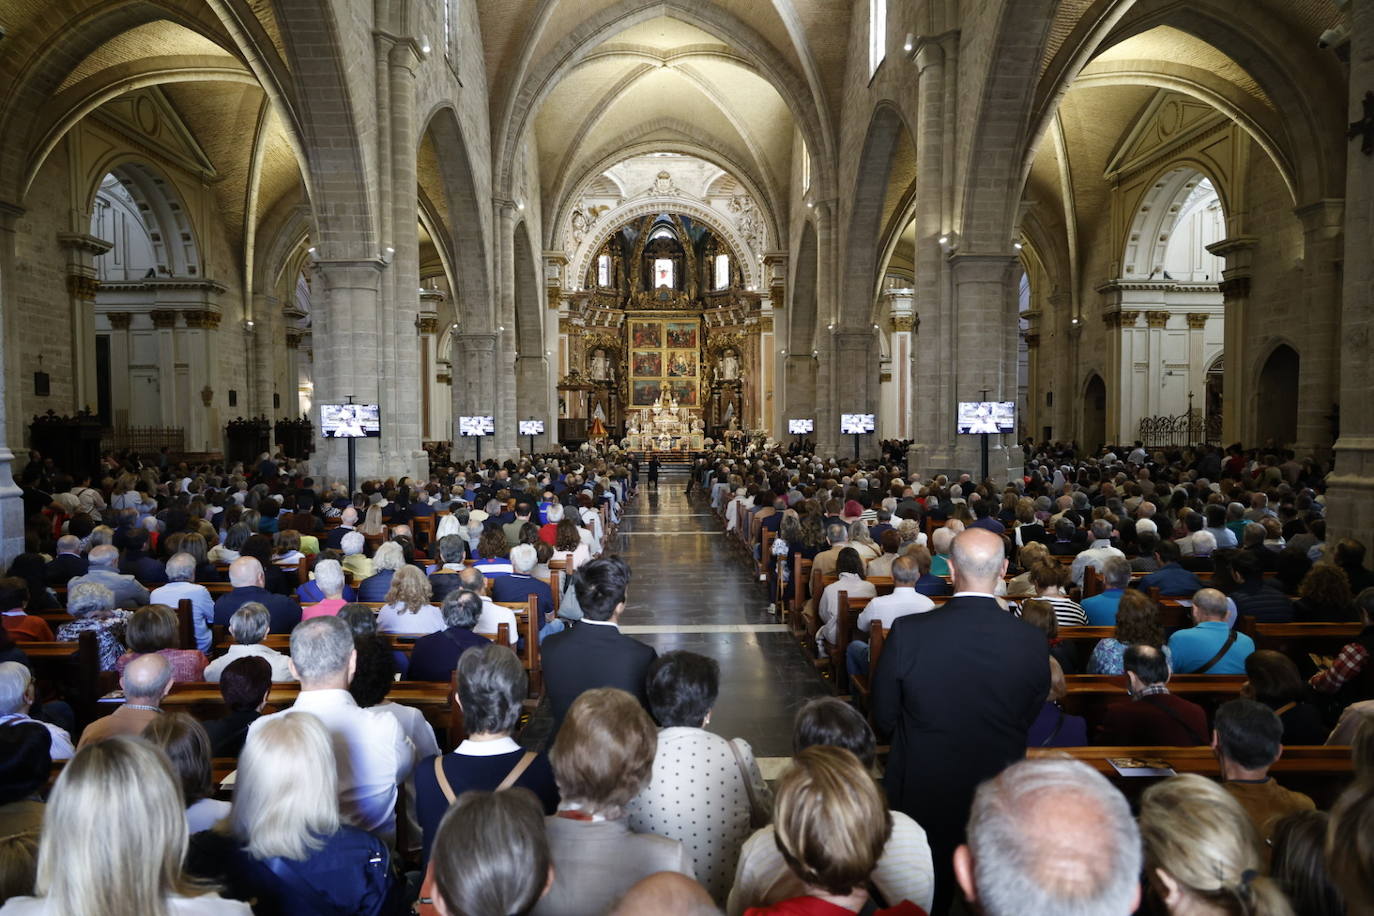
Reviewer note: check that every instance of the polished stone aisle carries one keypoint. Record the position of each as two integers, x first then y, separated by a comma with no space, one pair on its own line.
691,589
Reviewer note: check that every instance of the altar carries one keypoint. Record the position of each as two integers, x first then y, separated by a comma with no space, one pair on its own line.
664,426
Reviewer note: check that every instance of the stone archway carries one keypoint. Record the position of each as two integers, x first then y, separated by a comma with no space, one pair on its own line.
1276,398
1094,428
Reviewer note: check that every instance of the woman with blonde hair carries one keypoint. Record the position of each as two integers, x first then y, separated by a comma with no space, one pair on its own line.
284,845
408,609
1202,854
372,523
114,838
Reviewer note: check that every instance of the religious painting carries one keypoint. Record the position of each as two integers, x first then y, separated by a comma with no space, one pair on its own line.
685,392
646,335
644,394
648,364
663,273
682,335
682,364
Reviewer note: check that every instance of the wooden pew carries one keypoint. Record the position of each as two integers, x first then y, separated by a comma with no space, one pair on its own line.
74,665
1319,771
1090,694
527,622
862,683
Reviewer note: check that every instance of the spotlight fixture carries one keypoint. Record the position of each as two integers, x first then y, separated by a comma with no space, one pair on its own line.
1017,245
944,240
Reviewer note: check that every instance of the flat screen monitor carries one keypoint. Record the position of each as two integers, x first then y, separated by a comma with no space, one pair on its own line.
854,424
986,417
531,427
350,421
801,427
476,426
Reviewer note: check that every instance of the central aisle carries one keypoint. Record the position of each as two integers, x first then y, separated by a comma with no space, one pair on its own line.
691,589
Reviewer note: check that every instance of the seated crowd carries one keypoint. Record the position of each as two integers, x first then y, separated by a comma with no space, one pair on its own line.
344,801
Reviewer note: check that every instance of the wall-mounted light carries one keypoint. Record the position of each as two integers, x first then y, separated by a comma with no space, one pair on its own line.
830,327
424,45
782,352
501,328
1075,321
1017,245
313,252
520,204
876,328
944,240
248,324
909,43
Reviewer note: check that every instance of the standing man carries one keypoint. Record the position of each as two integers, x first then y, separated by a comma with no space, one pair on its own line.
957,689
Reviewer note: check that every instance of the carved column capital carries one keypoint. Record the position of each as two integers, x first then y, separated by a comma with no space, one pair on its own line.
1032,341
1129,317
1157,319
1235,288
163,319
1197,320
427,324
204,319
293,339
82,286
119,321
904,323
1111,319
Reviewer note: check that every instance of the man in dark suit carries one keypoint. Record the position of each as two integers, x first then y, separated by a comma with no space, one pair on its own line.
68,564
595,653
957,689
521,583
333,538
246,576
1253,596
1170,578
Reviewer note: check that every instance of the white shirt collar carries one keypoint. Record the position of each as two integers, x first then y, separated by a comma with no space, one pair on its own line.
494,748
599,623
332,696
975,595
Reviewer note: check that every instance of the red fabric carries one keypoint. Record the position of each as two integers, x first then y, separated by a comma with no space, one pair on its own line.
28,629
547,534
1347,665
814,906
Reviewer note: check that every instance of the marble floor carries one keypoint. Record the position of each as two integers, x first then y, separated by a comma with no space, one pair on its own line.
691,589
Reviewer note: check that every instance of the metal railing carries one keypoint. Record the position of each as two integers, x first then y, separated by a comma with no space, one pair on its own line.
1189,428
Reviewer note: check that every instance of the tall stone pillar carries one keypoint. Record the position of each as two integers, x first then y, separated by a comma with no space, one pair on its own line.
291,396
1237,409
347,342
265,341
766,417
1350,487
532,385
119,366
900,391
401,360
827,416
201,418
1030,418
1062,382
164,326
1319,367
982,297
931,405
854,356
474,387
11,424
82,285
503,405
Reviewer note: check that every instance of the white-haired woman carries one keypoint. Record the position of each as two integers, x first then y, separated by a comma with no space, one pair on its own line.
408,608
388,559
283,844
329,580
114,836
92,604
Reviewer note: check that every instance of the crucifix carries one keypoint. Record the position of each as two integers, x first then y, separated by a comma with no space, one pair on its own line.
1365,126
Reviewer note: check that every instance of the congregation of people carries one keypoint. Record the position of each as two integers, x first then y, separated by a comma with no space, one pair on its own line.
920,797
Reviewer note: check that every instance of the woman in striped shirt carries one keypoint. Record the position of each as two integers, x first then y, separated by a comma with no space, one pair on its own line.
1048,578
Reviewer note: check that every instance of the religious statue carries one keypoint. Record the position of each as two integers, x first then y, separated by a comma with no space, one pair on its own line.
600,366
729,366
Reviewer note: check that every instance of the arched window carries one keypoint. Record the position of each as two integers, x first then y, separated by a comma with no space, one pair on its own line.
877,34
603,270
722,271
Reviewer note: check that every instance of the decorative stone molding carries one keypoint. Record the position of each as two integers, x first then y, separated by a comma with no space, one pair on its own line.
83,287
1032,341
1197,320
204,319
1129,317
903,323
84,243
443,378
766,324
119,321
427,324
566,326
1111,319
163,319
1157,319
1235,288
293,340
207,395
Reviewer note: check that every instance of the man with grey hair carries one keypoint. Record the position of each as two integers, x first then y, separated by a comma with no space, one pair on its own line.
521,583
944,742
1210,646
1089,867
1101,608
104,570
16,700
333,538
247,578
249,626
435,655
837,535
1097,552
146,680
493,614
181,574
68,564
372,750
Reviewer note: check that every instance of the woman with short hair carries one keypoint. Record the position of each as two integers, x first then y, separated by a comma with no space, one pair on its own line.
114,837
1324,596
568,546
492,685
849,566
284,845
831,824
602,758
1048,578
490,855
154,628
330,582
187,746
287,548
385,562
231,548
706,791
93,607
408,609
1202,854
1137,623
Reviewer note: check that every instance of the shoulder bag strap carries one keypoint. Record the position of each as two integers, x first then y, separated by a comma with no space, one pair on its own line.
443,779
1230,641
1285,707
755,810
1059,723
517,771
1169,711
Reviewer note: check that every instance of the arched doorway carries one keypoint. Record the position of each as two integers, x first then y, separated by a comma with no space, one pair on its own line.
1277,398
1094,414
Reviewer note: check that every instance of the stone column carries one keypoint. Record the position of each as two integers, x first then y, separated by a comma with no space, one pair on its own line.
532,385
119,366
199,340
1034,399
1197,368
402,359
503,404
903,339
854,356
347,342
11,424
82,285
932,400
827,417
766,418
474,387
1237,419
264,341
1319,367
982,286
291,397
164,323
1061,375
1350,487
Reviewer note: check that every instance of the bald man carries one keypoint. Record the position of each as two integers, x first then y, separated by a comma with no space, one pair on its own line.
146,680
248,580
957,689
